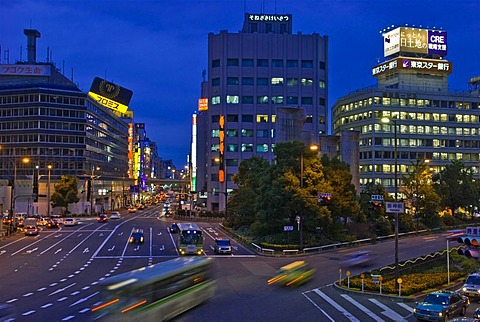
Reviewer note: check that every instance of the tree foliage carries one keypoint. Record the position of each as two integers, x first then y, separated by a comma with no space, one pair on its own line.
65,192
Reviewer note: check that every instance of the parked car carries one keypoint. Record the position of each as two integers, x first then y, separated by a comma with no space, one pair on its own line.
441,306
222,246
70,222
136,236
102,218
31,230
115,215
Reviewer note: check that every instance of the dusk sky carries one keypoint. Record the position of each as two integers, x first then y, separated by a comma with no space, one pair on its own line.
158,49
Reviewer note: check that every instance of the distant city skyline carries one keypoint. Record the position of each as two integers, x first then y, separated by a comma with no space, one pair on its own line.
158,49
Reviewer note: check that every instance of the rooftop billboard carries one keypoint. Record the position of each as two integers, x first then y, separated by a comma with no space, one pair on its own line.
434,66
110,95
415,40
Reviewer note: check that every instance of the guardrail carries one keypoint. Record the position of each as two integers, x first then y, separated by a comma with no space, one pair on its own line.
323,248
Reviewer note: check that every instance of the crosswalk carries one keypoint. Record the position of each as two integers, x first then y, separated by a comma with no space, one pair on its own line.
337,306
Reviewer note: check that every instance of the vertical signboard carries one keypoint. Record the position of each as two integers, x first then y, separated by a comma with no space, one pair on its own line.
221,126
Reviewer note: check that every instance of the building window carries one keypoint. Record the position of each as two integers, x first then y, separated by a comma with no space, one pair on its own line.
215,133
283,28
246,133
232,62
247,62
292,100
321,101
232,147
262,118
232,118
215,100
247,99
232,99
253,27
307,82
262,81
215,81
309,119
262,133
247,118
262,99
247,81
307,63
247,147
215,147
232,80
292,82
262,62
276,81
321,65
307,100
215,118
216,63
277,100
277,63
232,133
262,148
292,63
269,27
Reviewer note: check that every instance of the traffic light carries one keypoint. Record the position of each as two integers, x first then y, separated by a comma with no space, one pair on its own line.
472,243
325,198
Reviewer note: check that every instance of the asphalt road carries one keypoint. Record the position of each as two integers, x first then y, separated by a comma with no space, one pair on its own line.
53,276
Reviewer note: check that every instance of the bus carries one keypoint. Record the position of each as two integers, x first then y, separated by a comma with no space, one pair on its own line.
156,293
190,239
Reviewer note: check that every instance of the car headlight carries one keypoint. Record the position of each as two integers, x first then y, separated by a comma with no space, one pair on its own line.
440,314
464,289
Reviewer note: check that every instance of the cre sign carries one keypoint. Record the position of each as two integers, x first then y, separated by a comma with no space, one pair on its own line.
415,40
110,95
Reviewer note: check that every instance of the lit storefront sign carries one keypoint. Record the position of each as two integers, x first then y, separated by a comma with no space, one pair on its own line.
202,104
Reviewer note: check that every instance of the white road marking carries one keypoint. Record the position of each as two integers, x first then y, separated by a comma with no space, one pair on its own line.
389,313
28,313
46,305
406,307
62,289
363,308
337,306
83,299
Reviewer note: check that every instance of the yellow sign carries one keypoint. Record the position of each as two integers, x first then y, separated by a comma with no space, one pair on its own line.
108,103
399,280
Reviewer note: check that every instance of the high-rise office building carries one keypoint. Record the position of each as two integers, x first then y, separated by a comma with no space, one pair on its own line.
429,121
265,84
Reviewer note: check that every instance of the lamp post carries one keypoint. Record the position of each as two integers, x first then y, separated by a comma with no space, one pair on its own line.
49,167
387,120
92,189
312,147
12,199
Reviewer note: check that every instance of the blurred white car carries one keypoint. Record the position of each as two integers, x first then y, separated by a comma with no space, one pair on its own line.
70,222
115,215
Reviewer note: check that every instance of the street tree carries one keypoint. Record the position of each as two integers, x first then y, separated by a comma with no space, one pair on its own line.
65,192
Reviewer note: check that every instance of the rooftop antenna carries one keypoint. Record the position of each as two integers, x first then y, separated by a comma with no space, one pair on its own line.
204,74
48,54
21,49
72,75
244,6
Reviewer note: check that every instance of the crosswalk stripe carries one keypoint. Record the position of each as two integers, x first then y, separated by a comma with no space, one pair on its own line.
406,307
363,308
387,311
335,305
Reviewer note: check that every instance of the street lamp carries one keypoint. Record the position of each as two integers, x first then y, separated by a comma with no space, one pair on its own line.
92,190
312,147
387,120
48,189
12,199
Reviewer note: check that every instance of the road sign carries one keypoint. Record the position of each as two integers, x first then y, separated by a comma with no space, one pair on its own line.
394,207
287,228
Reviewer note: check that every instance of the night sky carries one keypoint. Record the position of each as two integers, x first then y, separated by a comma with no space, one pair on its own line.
158,49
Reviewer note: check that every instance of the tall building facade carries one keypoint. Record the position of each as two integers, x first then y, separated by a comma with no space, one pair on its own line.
61,130
253,75
429,121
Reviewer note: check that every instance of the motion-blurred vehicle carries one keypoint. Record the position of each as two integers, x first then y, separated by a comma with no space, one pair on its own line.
137,236
441,306
102,218
6,220
132,209
476,314
31,230
174,228
51,223
293,274
140,207
70,222
222,246
115,215
7,312
360,258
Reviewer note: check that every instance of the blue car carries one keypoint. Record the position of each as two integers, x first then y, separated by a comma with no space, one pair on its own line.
441,306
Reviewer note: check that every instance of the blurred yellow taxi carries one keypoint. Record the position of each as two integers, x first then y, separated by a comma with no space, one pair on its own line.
296,273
